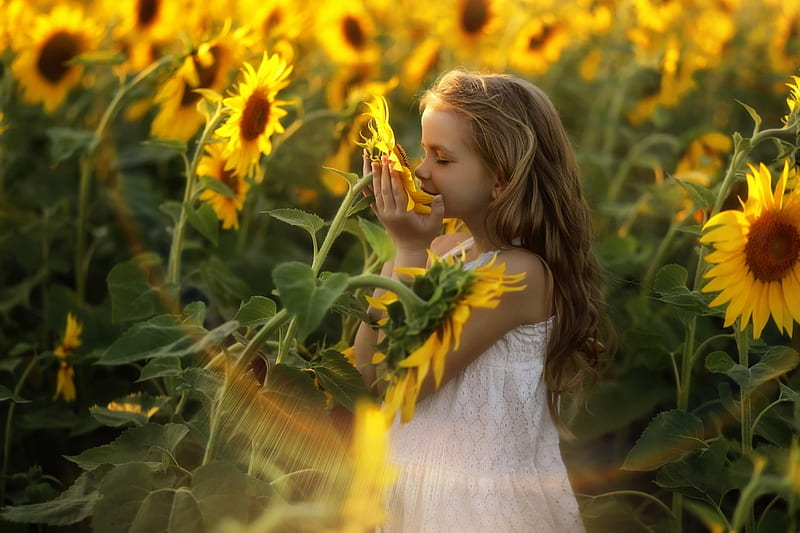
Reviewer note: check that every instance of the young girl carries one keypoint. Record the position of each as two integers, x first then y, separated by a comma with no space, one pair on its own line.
482,451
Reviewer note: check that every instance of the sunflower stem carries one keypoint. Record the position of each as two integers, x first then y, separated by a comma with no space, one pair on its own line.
176,248
411,302
81,265
277,320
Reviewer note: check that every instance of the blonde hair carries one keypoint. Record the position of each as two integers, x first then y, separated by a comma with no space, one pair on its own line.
540,206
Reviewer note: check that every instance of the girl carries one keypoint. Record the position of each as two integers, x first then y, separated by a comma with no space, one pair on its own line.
482,452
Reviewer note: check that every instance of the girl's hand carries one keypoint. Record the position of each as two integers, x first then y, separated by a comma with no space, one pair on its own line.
408,230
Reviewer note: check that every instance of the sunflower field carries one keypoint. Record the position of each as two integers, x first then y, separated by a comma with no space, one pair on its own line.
185,249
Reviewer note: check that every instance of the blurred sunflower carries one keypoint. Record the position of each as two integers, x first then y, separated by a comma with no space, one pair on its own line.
413,346
363,507
207,67
347,32
226,206
274,20
792,101
472,29
65,384
143,28
700,163
539,44
42,65
381,142
421,62
756,255
255,114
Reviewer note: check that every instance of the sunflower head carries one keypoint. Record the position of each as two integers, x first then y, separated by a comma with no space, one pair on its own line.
381,142
417,343
756,257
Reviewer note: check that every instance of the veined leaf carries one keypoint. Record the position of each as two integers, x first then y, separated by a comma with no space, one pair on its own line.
668,437
308,221
305,296
8,394
350,177
777,361
378,240
255,311
204,220
133,297
340,378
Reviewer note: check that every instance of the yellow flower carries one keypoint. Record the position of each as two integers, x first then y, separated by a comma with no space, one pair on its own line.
756,255
472,29
131,407
793,101
381,142
347,32
143,28
539,44
42,65
481,288
65,384
208,67
255,114
363,507
213,165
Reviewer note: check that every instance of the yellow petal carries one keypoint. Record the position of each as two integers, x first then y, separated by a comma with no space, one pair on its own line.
760,308
791,294
423,353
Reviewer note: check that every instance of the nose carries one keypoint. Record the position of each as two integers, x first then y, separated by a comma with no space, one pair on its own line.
421,171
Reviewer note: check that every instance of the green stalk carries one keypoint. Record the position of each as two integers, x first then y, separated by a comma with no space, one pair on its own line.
9,420
176,248
86,160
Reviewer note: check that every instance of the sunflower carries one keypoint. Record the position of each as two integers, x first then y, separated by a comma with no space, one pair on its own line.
347,33
372,474
255,114
413,346
381,142
756,255
65,384
226,206
43,58
473,28
142,28
207,67
792,101
539,44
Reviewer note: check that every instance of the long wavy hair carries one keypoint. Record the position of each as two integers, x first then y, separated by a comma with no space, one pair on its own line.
539,206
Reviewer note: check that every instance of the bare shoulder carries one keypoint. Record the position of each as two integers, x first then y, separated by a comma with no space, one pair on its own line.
444,243
535,302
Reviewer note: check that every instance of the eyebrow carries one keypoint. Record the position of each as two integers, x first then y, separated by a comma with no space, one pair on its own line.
436,148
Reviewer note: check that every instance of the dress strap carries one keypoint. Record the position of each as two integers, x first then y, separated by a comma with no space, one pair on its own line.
464,246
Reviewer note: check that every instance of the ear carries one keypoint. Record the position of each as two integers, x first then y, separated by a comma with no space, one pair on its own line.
497,187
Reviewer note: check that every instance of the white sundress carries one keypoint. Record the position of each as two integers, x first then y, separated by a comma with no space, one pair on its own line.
482,453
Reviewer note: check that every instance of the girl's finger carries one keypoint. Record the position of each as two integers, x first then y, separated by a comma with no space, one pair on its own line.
366,167
377,186
387,187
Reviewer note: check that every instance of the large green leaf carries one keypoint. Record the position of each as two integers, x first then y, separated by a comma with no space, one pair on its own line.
668,437
701,474
776,362
305,296
340,378
255,311
378,240
8,394
133,296
205,221
145,444
136,409
165,336
308,221
71,506
294,387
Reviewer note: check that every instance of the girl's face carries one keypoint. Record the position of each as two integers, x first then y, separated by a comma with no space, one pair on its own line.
452,168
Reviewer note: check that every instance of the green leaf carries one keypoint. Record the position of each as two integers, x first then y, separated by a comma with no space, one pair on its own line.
67,142
670,277
308,221
701,474
668,437
8,394
703,196
204,220
71,506
133,297
378,240
221,491
255,311
340,378
172,209
305,296
160,367
294,387
123,492
144,444
351,177
136,409
165,336
218,186
753,114
776,362
174,145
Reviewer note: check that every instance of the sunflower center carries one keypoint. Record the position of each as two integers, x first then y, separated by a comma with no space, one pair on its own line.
146,11
773,247
53,63
228,177
273,20
206,77
474,16
353,33
537,42
255,116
